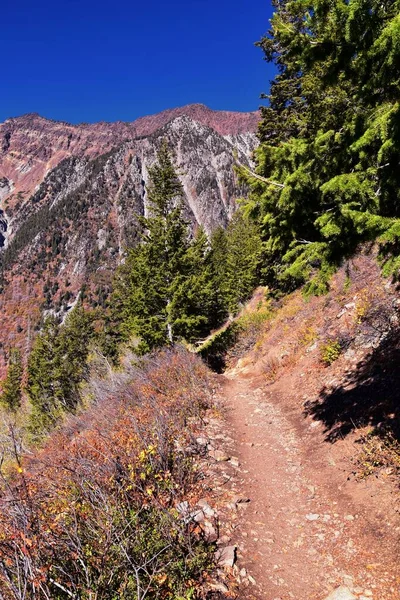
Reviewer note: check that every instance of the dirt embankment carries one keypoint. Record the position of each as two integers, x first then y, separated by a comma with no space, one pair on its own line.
312,424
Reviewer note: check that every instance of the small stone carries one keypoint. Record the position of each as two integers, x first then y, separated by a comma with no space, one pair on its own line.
225,557
198,516
201,441
349,518
348,581
312,517
326,518
206,508
252,580
341,593
312,492
218,586
243,572
368,593
219,455
223,540
209,531
350,305
234,461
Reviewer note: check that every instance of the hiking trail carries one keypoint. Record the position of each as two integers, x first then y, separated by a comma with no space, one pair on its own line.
310,528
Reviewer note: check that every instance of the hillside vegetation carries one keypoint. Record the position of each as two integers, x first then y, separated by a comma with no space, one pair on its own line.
93,514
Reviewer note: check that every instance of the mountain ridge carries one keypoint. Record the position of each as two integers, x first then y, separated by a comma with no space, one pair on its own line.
242,117
32,145
70,196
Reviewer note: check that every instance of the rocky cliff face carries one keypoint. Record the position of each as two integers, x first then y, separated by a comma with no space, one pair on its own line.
30,146
70,196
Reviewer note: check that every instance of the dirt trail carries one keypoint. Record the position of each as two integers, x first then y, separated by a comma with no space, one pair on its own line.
308,528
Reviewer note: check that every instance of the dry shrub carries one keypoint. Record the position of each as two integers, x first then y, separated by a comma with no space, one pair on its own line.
379,453
270,367
307,333
330,351
92,515
377,316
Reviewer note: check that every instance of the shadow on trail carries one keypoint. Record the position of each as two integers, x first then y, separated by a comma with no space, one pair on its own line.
370,395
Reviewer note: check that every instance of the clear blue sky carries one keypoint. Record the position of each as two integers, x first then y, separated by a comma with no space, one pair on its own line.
87,60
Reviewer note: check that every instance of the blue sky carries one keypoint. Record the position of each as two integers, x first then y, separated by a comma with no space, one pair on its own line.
86,60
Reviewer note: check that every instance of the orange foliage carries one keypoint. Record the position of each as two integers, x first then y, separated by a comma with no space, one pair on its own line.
94,510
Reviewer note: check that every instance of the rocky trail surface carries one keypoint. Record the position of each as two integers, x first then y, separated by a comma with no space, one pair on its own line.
309,530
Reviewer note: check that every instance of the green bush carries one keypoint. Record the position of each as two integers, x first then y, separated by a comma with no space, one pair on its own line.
330,352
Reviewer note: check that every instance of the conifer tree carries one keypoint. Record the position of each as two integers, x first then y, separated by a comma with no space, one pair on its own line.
171,286
198,303
75,337
155,269
219,249
11,394
327,172
57,365
242,260
43,383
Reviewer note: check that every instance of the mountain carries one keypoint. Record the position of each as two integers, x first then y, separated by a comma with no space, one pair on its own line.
30,145
70,196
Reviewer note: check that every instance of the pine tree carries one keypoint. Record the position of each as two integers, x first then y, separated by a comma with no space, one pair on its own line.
43,382
75,337
11,394
56,367
219,250
146,283
327,174
173,287
198,302
242,260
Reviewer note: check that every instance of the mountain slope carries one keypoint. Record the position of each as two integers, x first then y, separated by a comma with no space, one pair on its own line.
30,146
70,197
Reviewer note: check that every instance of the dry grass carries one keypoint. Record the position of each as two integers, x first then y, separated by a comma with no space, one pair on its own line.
379,453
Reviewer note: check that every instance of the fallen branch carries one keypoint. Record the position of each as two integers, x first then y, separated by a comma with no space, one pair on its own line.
260,178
